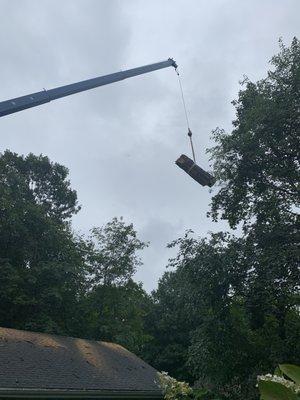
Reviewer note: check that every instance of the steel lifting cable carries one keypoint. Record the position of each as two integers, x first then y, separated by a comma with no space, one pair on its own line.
186,116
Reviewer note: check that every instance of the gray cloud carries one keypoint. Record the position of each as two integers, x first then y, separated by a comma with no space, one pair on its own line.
120,141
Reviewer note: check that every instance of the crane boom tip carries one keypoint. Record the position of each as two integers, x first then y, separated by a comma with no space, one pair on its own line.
174,64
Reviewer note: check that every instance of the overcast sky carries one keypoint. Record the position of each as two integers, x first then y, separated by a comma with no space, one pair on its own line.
120,141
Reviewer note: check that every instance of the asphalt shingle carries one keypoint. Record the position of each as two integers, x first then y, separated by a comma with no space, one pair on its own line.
31,360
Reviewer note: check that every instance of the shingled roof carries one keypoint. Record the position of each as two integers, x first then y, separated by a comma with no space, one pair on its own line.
32,364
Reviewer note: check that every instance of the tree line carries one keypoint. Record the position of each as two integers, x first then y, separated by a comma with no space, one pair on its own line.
227,307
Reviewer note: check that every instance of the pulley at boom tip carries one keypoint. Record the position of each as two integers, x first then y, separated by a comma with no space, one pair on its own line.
173,62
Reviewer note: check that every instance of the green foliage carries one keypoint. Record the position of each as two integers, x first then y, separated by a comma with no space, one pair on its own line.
112,256
116,313
213,321
271,387
40,260
35,181
114,306
291,371
275,391
54,281
229,307
276,387
258,162
173,389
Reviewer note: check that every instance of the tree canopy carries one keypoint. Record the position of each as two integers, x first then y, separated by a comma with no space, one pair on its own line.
41,265
257,163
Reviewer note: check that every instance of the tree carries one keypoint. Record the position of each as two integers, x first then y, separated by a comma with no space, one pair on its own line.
213,322
258,162
200,316
258,167
116,314
42,268
112,257
169,324
115,306
53,280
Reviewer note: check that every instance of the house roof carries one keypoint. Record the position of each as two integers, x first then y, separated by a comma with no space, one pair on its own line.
36,363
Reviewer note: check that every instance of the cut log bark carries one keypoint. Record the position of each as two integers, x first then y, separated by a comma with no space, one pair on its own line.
196,172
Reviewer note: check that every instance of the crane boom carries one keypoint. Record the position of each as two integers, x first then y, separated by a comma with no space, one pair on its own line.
35,99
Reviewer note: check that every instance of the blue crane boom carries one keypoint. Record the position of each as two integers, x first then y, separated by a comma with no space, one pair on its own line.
45,96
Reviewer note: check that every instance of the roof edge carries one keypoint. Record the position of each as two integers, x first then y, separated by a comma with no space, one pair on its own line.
73,394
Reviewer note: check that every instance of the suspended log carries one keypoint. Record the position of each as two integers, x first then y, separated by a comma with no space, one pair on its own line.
197,173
